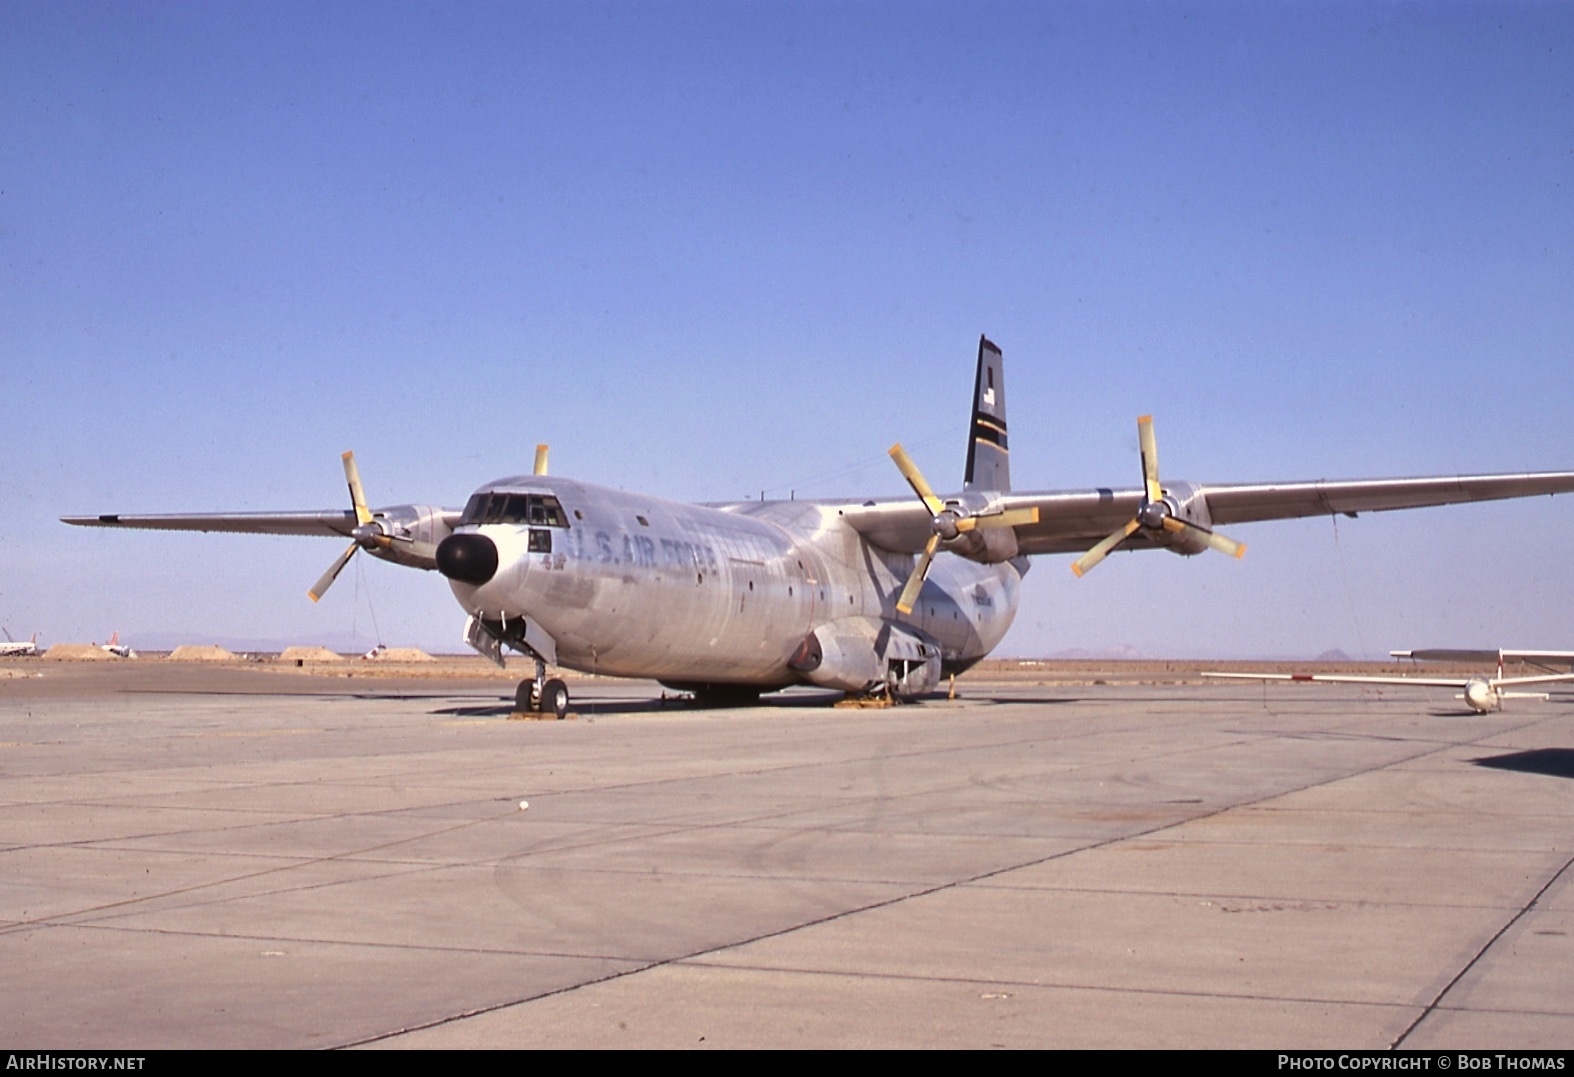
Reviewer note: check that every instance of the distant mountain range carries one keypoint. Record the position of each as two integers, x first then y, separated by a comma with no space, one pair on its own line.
1122,653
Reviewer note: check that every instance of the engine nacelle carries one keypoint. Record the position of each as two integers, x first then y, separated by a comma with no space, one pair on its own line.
986,545
413,532
864,654
1184,502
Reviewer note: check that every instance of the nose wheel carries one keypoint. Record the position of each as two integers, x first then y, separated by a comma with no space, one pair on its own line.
542,695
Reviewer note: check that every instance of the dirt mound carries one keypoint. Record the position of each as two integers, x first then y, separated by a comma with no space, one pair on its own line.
210,652
399,654
79,652
309,654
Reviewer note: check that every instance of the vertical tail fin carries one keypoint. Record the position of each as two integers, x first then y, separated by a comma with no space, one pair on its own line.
988,458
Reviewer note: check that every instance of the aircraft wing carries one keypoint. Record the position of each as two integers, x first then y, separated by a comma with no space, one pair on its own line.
1429,682
404,534
1281,501
1072,522
1342,678
1454,654
1548,678
338,522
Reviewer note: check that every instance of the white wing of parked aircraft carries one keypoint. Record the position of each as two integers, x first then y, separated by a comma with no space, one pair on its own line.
1502,655
1481,693
861,595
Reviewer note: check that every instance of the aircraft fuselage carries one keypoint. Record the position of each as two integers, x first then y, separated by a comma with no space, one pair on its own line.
632,585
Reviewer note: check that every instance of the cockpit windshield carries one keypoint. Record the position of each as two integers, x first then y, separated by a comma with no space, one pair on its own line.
497,507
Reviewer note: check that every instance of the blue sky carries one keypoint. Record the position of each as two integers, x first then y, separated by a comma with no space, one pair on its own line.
709,249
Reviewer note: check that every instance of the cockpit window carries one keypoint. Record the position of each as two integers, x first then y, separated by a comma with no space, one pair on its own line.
541,510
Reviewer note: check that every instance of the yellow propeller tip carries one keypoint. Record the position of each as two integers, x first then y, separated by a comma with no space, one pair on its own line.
1076,570
314,596
1240,553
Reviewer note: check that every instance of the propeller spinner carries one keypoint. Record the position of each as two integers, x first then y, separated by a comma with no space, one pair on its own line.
948,522
1154,513
368,534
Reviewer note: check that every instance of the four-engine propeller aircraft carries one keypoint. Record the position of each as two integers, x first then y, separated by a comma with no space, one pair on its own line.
731,600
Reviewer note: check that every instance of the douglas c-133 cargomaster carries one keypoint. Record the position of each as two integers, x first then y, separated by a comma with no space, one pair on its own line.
730,600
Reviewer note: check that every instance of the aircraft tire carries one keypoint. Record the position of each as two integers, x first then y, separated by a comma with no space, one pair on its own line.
525,698
554,698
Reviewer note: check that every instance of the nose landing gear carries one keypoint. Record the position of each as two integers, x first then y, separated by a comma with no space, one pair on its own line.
542,695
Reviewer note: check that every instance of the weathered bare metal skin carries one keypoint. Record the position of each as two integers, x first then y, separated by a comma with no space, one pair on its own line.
640,586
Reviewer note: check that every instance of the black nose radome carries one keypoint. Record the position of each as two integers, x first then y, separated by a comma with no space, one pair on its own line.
468,558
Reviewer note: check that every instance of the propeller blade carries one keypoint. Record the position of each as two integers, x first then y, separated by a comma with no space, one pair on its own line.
541,460
352,476
915,582
1102,550
325,581
1009,518
1150,458
1214,540
1219,542
915,479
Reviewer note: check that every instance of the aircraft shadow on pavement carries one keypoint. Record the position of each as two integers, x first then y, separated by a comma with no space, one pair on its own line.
592,706
1013,700
504,708
791,700
1553,762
